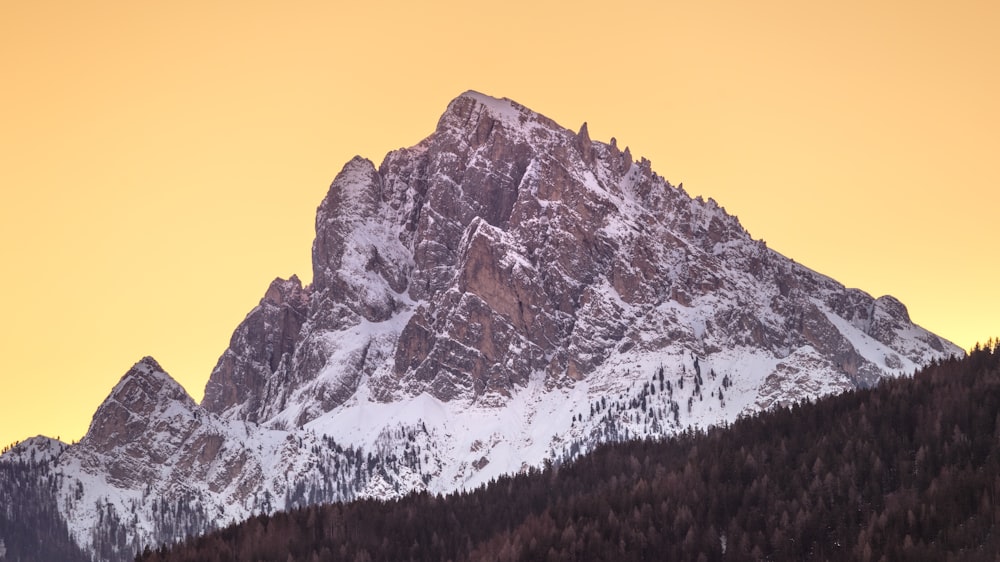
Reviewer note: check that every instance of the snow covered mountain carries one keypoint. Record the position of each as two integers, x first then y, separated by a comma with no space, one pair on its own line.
505,292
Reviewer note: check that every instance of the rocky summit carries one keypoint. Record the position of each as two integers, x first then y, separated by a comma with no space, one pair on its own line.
504,246
505,292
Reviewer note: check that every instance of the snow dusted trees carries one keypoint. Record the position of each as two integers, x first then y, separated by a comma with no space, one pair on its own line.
906,470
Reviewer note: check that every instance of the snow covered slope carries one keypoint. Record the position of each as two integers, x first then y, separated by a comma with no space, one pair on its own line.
504,293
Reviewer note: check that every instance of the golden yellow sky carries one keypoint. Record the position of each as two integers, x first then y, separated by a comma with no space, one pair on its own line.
162,161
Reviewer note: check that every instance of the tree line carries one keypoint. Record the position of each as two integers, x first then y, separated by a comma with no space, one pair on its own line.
908,469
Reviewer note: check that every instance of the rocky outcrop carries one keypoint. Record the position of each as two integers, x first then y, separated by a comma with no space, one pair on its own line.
138,426
250,377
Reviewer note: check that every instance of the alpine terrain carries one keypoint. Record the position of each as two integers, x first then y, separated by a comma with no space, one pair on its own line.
504,294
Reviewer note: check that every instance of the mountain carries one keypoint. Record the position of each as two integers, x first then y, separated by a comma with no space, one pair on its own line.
504,248
907,470
155,467
504,293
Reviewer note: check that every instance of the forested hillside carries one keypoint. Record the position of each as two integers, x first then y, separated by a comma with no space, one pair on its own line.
908,470
30,526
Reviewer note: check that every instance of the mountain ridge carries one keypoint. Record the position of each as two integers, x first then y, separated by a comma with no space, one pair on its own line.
505,292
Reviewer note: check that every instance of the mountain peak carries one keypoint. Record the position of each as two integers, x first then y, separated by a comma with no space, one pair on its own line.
144,394
146,365
478,114
498,106
284,290
562,236
147,380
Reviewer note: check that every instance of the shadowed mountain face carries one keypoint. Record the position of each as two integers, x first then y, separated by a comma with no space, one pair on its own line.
504,293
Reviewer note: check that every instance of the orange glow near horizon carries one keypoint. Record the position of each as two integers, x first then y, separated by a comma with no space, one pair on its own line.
162,163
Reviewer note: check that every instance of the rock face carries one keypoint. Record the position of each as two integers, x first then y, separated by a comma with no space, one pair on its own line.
146,405
250,382
506,291
504,245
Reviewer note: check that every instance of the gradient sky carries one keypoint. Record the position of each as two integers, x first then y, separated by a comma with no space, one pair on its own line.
162,161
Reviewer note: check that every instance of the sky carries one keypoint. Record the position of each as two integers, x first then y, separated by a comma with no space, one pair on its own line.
161,162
